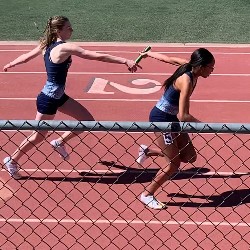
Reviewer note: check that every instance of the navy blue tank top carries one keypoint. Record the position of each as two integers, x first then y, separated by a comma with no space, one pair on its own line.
56,72
169,101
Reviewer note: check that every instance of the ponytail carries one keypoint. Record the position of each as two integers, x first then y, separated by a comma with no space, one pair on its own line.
180,71
200,57
50,33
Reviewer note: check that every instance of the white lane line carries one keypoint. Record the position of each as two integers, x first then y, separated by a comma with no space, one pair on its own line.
130,222
112,73
99,171
134,52
126,100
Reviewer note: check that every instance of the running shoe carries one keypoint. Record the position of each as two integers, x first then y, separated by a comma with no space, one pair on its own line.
152,202
12,168
60,149
142,155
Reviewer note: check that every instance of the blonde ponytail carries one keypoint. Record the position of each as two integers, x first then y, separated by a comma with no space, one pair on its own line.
54,24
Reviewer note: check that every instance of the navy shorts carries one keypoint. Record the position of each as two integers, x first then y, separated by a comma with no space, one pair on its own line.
47,105
156,115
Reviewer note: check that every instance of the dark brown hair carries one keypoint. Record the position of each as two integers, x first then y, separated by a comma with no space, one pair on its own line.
200,57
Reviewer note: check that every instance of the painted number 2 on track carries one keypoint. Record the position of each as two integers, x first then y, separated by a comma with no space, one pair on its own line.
139,87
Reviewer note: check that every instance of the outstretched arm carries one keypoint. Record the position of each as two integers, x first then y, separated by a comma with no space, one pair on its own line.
72,49
24,58
167,59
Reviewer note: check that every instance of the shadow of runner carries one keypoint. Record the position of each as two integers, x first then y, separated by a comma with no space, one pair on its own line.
130,175
226,199
123,177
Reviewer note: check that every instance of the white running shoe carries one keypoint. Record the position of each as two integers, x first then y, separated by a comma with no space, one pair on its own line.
60,149
152,202
12,168
142,156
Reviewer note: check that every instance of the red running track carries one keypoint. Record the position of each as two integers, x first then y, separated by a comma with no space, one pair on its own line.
111,93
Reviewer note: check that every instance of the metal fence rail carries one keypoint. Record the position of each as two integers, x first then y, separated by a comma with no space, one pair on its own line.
123,126
92,200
